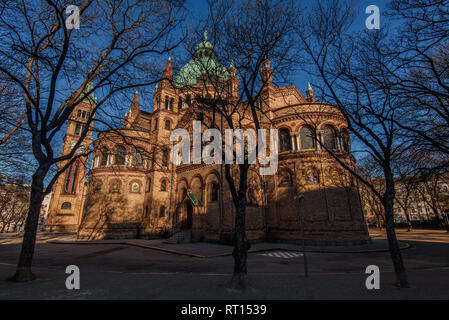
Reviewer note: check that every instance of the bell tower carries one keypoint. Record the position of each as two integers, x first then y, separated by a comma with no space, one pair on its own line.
67,201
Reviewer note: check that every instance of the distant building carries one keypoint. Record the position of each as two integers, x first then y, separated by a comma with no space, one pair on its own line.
417,200
44,210
14,203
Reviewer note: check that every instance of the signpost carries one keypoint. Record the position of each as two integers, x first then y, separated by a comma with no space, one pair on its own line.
299,198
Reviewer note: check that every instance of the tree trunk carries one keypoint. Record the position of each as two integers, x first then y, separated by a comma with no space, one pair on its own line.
395,252
240,252
23,272
409,223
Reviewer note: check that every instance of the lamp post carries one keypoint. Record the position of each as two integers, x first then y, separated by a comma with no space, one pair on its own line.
299,198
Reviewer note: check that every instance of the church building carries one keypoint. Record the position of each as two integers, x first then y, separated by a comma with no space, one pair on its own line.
134,190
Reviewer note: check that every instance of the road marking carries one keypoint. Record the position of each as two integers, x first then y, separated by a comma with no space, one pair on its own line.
282,254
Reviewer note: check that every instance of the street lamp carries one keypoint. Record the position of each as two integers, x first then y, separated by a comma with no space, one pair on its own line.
301,224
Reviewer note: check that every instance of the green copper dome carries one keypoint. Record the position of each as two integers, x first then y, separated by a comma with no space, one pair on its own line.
203,63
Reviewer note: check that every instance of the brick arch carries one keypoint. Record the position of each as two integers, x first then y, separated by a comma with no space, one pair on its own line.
115,181
182,180
202,187
169,120
328,123
180,185
167,184
215,173
300,124
212,177
139,183
316,171
284,126
199,178
280,176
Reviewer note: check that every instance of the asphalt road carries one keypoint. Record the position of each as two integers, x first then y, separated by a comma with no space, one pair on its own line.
113,271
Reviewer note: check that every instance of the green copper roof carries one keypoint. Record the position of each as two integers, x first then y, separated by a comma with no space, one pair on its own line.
205,43
203,63
309,87
91,98
189,74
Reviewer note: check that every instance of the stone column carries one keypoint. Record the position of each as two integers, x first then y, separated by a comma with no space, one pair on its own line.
298,141
292,135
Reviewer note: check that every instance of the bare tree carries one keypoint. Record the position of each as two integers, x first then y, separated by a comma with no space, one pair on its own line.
350,67
57,67
14,201
371,202
255,39
418,69
15,155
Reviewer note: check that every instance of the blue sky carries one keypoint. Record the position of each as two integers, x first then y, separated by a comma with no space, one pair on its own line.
299,77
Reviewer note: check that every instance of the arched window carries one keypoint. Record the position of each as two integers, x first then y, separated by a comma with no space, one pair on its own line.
78,129
166,102
188,101
328,135
285,178
120,155
104,157
164,185
162,211
345,139
135,187
96,186
307,139
312,177
285,143
214,189
180,104
172,102
138,157
165,158
70,182
67,179
97,161
115,187
155,124
66,206
167,125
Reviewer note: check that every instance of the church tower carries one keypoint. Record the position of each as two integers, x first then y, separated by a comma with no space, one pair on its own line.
66,205
267,92
163,121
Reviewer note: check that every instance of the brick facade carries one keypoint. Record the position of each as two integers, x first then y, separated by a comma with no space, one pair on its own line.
134,190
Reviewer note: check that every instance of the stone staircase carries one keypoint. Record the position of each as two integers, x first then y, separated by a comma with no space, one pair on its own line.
184,236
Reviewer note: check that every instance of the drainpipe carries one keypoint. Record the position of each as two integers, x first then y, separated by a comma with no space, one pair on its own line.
170,216
266,209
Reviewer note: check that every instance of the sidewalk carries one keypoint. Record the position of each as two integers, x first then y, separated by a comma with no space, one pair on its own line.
210,250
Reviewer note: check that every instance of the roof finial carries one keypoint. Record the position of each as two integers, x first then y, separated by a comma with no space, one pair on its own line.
205,35
309,87
169,55
232,64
